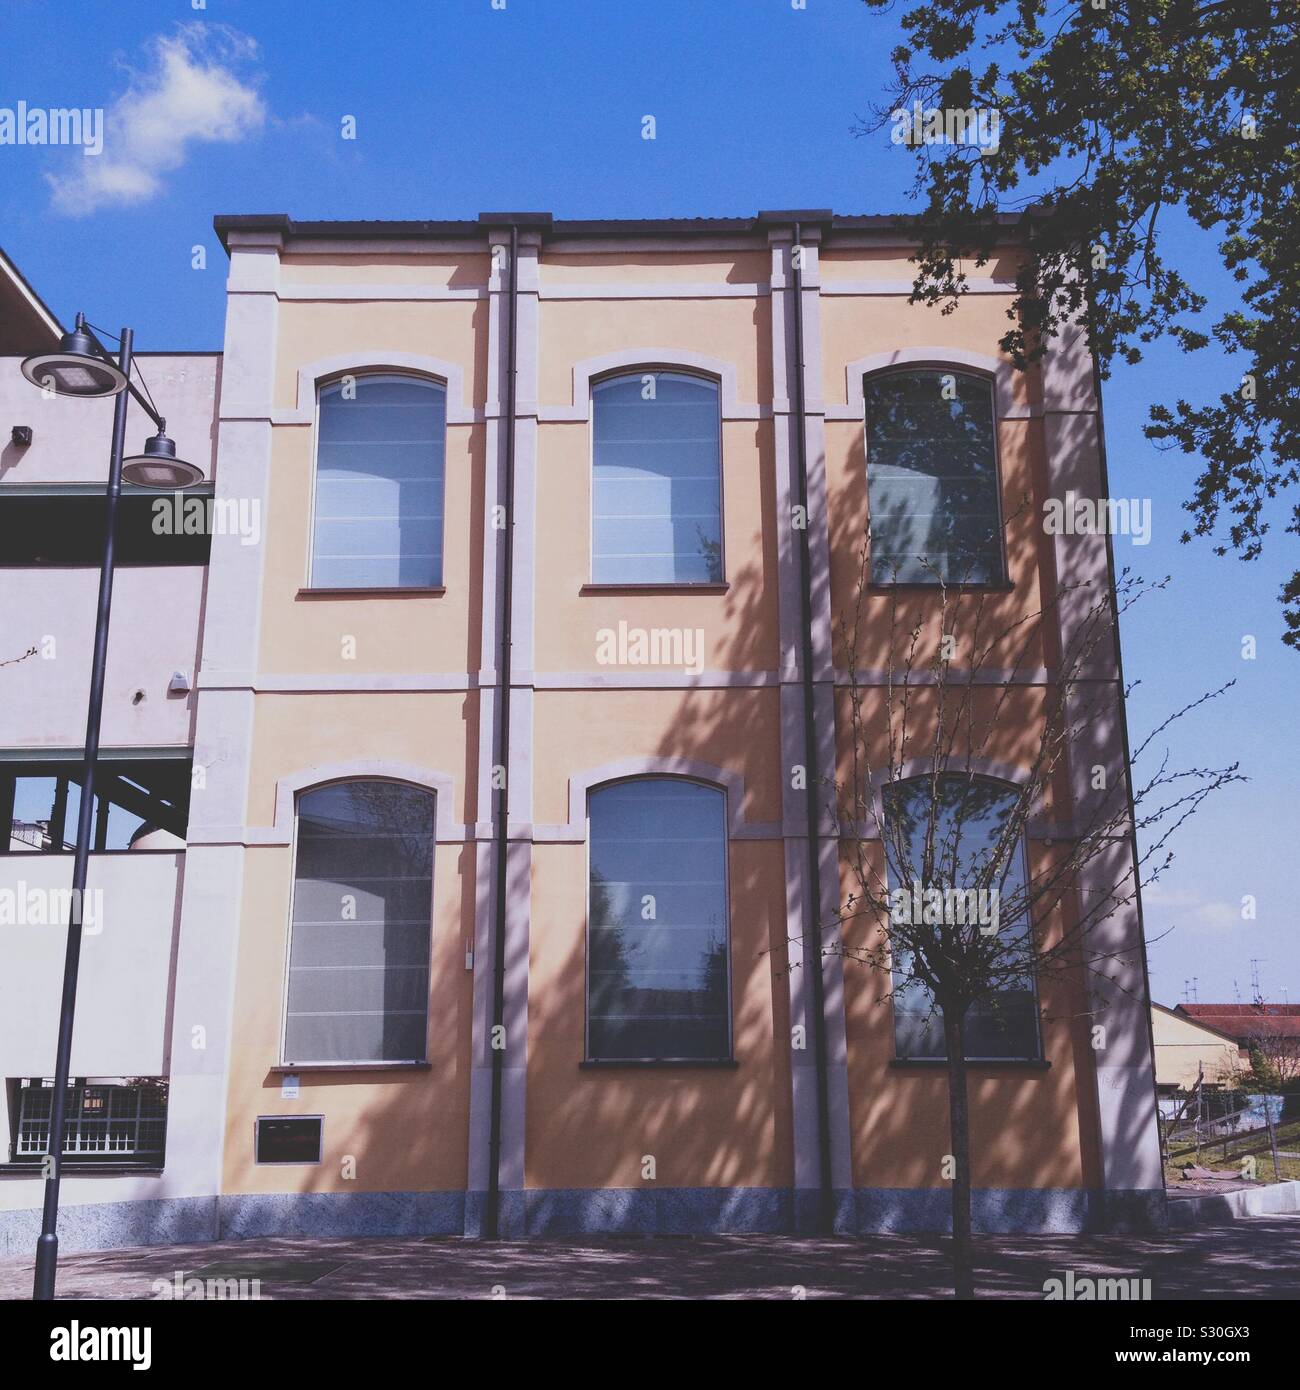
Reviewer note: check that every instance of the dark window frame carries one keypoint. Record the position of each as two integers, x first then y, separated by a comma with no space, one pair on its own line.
997,580
73,516
110,765
260,1162
75,1134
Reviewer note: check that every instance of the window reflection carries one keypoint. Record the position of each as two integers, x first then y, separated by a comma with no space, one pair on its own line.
932,485
657,970
656,494
969,816
359,951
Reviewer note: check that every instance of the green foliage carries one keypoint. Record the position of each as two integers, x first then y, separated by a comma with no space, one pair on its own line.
1263,1075
1116,111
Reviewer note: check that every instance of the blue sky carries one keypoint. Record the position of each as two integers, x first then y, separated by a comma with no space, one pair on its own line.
461,107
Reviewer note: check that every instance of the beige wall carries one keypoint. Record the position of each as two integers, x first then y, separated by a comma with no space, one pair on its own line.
591,1128
1185,1050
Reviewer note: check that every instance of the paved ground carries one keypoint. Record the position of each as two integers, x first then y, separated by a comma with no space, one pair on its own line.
1254,1258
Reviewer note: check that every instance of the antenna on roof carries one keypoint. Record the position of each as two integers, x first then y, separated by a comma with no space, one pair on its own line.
1236,991
1256,993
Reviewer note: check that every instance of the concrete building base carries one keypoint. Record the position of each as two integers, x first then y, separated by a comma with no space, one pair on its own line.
612,1211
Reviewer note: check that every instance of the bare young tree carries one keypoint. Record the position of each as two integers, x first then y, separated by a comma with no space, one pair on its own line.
966,891
1273,1049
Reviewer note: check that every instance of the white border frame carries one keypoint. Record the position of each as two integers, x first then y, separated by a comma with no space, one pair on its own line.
1000,369
666,359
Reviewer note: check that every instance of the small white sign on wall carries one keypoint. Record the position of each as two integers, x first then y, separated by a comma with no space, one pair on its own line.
289,1087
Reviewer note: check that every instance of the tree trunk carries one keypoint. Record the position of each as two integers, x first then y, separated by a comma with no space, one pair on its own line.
963,1272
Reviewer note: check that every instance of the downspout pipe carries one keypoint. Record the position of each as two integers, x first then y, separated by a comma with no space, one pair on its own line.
812,953
492,1211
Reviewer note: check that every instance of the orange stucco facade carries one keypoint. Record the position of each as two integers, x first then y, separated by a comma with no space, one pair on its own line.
328,685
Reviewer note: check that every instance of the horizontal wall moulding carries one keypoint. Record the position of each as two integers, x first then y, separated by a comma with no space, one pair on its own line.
895,287
578,414
327,683
923,675
519,832
319,292
378,683
389,293
649,680
577,835
659,289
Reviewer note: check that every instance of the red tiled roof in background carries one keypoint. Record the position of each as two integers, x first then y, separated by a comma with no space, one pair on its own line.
1244,1021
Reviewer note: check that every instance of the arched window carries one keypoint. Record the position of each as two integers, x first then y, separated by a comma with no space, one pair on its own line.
932,478
380,454
947,834
657,480
658,976
362,909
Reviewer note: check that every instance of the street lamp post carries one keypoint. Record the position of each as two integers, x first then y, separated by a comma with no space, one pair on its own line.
82,367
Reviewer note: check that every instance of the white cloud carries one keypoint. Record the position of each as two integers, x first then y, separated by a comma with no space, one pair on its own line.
189,92
1187,909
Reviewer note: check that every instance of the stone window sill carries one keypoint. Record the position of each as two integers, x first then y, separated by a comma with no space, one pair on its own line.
431,592
987,1063
654,588
304,1068
641,1064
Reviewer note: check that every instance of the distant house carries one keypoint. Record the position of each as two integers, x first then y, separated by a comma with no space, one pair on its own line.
1272,1029
1188,1047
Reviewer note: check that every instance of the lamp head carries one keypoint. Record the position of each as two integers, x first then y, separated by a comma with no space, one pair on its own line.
76,369
158,466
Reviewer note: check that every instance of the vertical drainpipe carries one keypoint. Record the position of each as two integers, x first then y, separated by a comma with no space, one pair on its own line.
492,1211
812,955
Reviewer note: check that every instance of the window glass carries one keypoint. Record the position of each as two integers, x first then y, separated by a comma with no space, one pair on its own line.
159,528
379,484
362,904
657,493
932,486
968,820
120,1119
139,804
657,956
